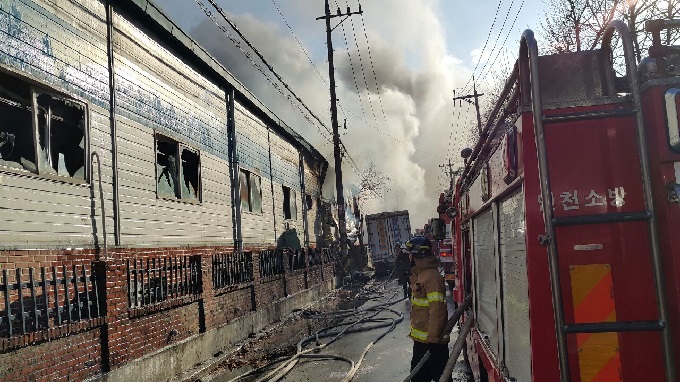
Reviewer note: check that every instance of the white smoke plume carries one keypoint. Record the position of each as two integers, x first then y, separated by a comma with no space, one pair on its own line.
404,122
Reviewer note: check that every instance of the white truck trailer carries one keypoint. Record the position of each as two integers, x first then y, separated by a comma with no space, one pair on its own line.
385,231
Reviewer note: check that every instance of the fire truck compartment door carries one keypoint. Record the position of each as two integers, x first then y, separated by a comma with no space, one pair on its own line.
672,97
486,266
515,292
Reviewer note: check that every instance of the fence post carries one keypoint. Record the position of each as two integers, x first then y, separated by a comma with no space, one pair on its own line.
287,271
99,286
206,282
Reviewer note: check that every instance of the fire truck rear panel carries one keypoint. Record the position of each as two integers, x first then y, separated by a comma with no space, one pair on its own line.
595,170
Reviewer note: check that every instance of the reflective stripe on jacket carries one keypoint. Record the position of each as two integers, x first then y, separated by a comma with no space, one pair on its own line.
428,301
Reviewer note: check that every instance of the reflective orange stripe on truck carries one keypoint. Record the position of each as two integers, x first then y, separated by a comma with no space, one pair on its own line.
593,297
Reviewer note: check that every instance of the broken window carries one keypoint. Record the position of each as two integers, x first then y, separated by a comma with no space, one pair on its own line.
308,200
190,168
243,190
250,192
289,203
41,132
177,175
166,168
255,194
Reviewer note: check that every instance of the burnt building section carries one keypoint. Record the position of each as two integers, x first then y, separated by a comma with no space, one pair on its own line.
151,208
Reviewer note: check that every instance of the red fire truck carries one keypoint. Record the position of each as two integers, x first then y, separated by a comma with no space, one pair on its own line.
443,241
567,215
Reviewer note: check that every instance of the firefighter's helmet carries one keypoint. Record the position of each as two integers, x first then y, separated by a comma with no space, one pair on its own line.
419,247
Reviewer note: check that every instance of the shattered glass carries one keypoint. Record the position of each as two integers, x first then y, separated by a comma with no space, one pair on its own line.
190,175
17,150
243,190
166,168
61,130
256,193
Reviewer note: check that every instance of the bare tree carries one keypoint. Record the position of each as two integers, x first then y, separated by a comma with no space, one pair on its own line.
635,13
602,12
373,183
574,25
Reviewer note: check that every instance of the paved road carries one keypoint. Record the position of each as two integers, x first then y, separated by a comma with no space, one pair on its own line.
388,360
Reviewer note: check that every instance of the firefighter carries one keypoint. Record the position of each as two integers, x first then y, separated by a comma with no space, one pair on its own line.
403,269
428,311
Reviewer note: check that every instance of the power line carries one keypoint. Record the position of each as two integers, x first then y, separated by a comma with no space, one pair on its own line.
363,73
375,77
356,85
351,65
342,108
278,9
488,35
266,63
276,86
495,44
506,35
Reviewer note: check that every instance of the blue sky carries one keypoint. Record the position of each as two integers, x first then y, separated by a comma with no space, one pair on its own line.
396,68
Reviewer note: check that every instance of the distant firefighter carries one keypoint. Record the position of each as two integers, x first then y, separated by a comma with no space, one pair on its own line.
403,269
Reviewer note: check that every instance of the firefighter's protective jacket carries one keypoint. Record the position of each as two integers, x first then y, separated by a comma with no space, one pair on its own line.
428,301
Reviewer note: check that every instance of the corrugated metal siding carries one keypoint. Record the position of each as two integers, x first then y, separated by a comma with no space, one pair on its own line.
486,264
286,172
285,163
515,287
157,92
312,179
155,88
312,188
252,146
60,44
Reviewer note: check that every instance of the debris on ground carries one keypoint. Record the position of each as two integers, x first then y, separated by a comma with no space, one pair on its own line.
280,339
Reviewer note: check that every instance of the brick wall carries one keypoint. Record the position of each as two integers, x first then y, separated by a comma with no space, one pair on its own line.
297,281
229,304
124,331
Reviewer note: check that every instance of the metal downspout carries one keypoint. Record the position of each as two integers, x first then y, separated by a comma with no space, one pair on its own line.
271,180
528,55
631,69
303,197
234,174
112,121
101,197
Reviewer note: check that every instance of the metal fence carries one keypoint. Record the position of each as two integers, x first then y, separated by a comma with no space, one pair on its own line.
231,269
271,265
154,280
314,256
34,301
296,259
327,255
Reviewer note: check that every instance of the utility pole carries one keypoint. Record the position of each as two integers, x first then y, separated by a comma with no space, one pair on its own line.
466,98
334,121
450,166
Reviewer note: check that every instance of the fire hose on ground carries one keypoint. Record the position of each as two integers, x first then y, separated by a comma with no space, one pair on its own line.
366,315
